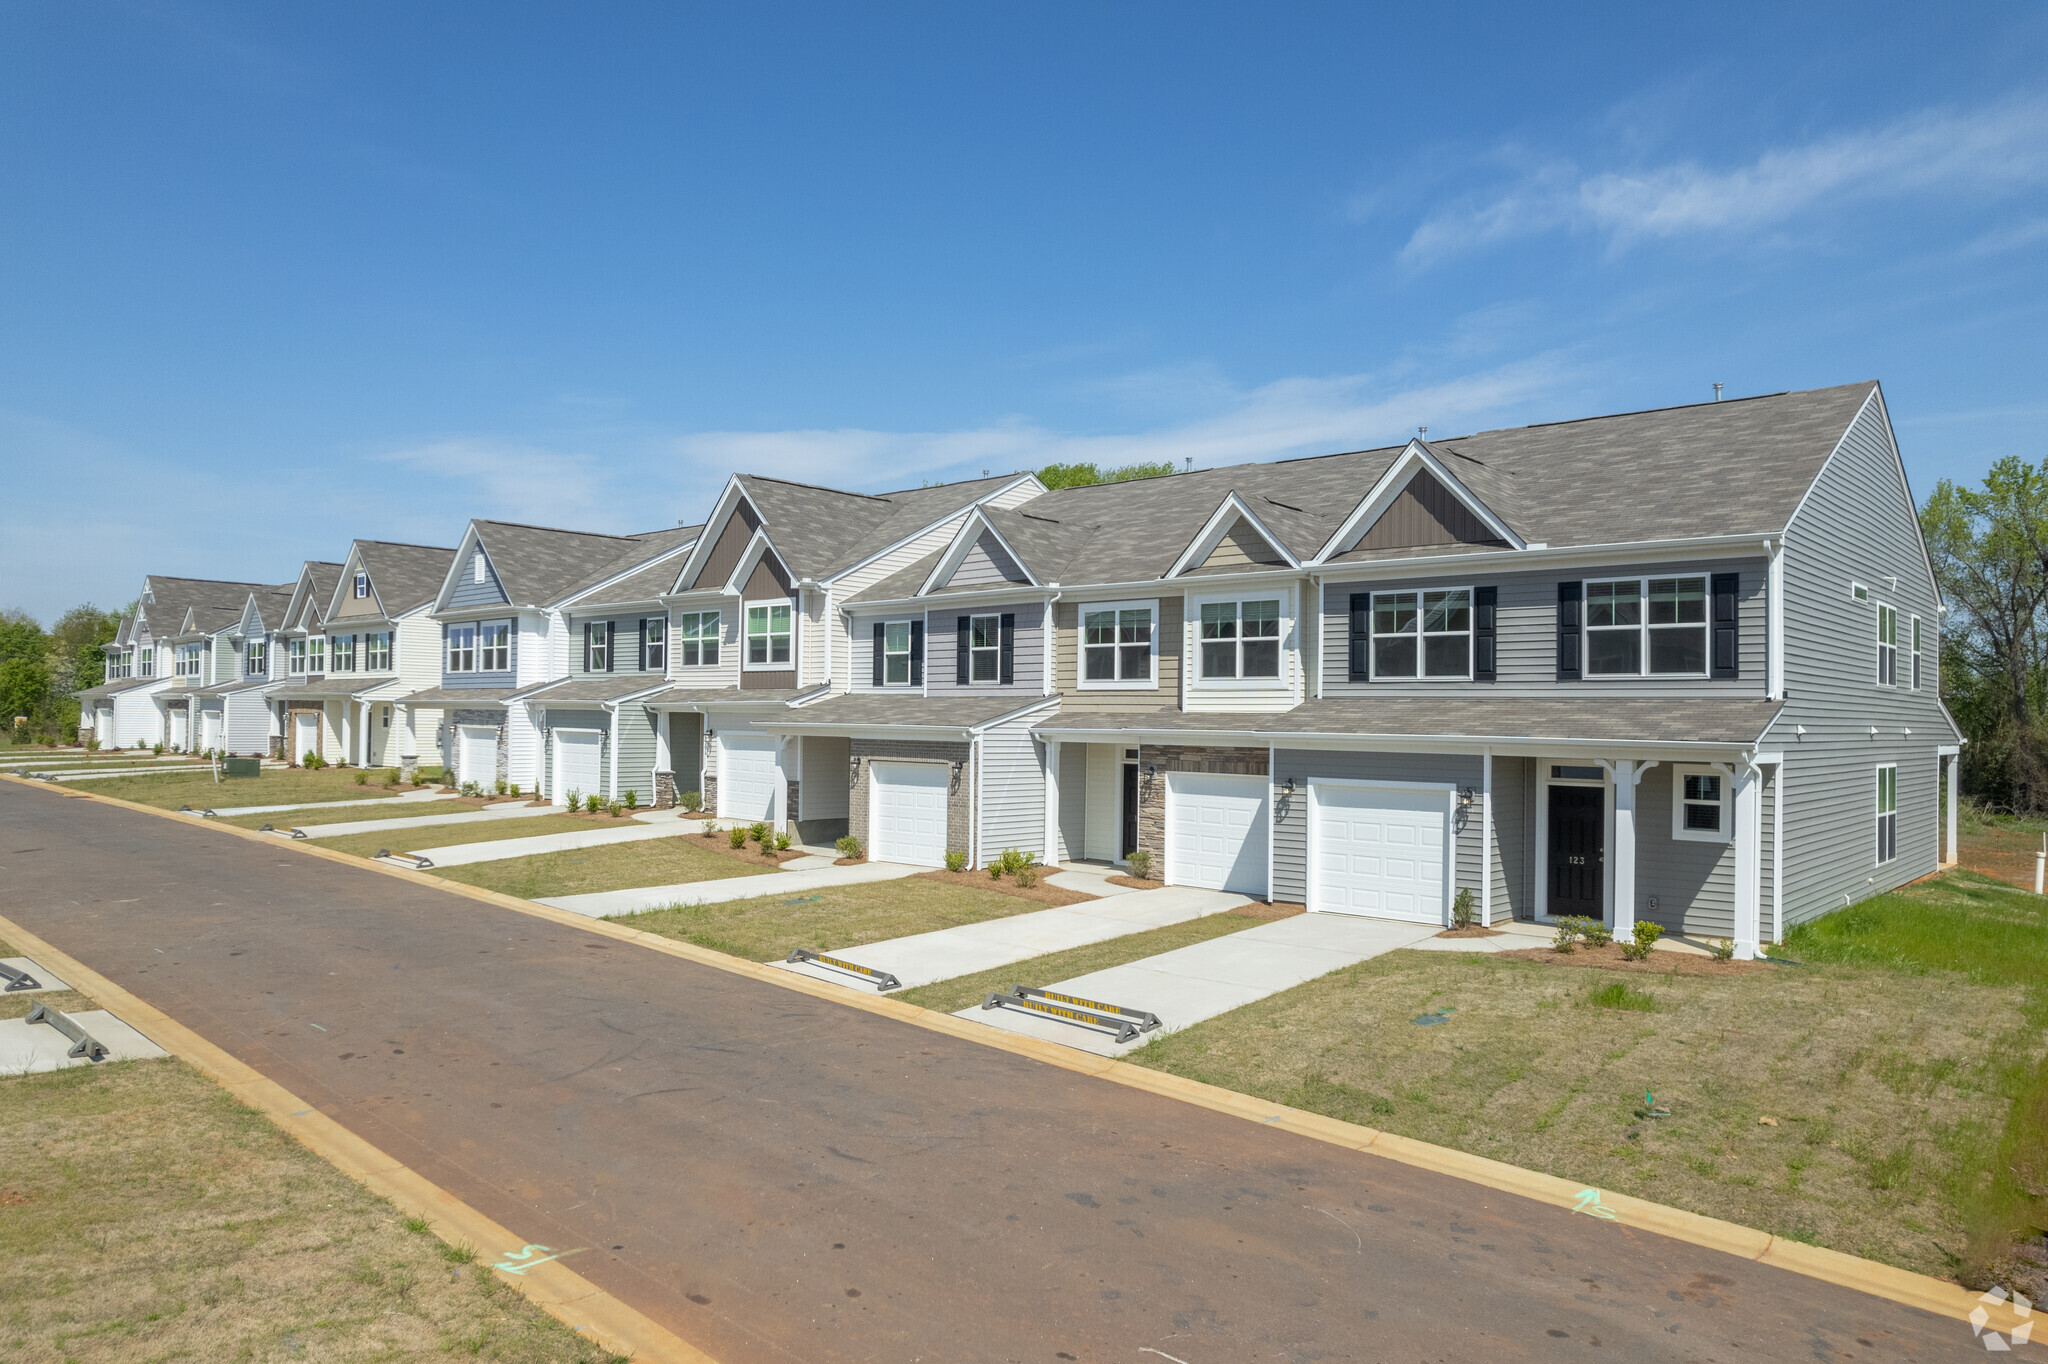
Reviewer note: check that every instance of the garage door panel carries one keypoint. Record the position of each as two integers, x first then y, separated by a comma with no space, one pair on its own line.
749,774
579,763
1379,851
1216,831
908,812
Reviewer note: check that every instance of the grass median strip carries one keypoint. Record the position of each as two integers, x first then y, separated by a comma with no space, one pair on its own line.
448,835
276,786
348,814
619,866
950,996
831,920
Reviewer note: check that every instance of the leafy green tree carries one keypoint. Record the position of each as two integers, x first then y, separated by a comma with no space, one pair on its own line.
1082,475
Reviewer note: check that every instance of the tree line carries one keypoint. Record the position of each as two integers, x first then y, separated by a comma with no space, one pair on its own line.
40,669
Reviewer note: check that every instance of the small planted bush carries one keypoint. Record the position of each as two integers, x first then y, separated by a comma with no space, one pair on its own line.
92,745
1597,933
391,777
1464,912
594,803
758,832
157,750
693,801
1724,949
471,788
1140,863
499,786
618,809
362,778
1027,877
574,800
782,841
1567,936
632,800
736,837
1646,936
956,861
849,846
514,788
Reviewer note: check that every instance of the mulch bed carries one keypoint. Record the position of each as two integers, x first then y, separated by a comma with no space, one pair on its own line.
1659,964
981,880
716,840
1133,882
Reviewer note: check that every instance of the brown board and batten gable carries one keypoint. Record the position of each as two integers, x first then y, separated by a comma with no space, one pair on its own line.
1426,513
768,582
724,555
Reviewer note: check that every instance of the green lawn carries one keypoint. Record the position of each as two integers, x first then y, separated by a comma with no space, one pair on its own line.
448,835
620,866
949,996
276,786
344,814
839,919
1903,1062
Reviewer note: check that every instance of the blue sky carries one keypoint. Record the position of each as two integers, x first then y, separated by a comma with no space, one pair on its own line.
277,276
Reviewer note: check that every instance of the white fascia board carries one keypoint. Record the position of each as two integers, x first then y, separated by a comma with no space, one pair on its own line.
757,549
1416,456
1211,534
349,563
1876,399
1749,545
714,529
1016,595
928,526
963,541
464,547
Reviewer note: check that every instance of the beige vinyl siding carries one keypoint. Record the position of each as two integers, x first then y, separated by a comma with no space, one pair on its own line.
1165,691
823,765
1526,657
1242,547
1073,798
1857,525
1284,693
722,674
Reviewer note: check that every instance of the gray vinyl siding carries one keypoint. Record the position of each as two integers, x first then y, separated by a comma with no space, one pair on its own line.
1012,791
1527,625
941,648
1857,525
862,650
634,735
1290,813
1693,883
686,752
625,643
581,719
986,564
1514,839
469,592
506,678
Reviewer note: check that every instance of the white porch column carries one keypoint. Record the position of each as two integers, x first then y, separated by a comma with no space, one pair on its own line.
1624,848
1954,764
1486,848
1053,851
1748,859
408,741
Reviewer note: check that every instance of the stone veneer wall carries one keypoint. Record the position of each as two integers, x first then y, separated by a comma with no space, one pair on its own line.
959,792
1247,762
495,718
664,790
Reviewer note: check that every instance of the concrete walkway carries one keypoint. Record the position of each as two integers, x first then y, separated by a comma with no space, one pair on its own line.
652,824
1090,878
1190,984
379,801
490,814
108,774
605,903
925,957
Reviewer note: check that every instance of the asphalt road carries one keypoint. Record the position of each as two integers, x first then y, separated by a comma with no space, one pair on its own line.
776,1177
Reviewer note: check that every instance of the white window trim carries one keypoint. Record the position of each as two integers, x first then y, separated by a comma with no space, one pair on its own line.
1081,679
389,638
1913,678
995,649
1372,662
593,647
361,584
676,638
450,649
484,625
908,656
1876,814
1191,631
648,645
1858,592
316,654
1878,675
1726,833
770,666
1643,630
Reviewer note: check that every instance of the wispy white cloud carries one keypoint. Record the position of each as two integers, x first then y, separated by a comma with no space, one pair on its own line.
2010,237
1973,153
512,481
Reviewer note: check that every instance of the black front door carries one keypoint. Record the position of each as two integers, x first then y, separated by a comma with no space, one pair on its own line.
1577,851
1130,830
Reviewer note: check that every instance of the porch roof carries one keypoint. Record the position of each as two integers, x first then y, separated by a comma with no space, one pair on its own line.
451,696
690,698
327,689
882,711
599,688
114,688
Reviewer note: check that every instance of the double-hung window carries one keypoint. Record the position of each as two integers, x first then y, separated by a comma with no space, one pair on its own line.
1887,645
654,643
896,653
1699,805
697,637
298,664
768,636
462,648
1117,644
316,654
1241,639
362,585
187,661
597,646
1887,813
1916,653
1429,630
494,648
148,668
985,648
1647,626
257,661
344,652
377,652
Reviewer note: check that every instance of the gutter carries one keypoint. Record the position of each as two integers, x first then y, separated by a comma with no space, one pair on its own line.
1540,553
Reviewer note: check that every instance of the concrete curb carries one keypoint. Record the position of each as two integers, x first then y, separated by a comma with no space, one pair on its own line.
1627,1213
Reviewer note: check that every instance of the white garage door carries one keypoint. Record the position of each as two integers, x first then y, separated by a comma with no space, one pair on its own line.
749,775
579,765
209,729
1379,850
178,729
1216,831
476,754
307,729
907,820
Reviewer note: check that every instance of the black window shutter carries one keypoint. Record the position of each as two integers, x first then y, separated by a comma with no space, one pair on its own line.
917,652
960,655
1727,631
643,644
611,649
1569,598
1485,607
1361,634
881,632
1009,648
586,646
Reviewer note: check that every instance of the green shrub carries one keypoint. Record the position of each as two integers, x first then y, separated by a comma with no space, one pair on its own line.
574,800
471,788
849,846
594,803
1616,994
157,749
1464,913
632,800
514,789
391,777
758,832
1567,936
92,745
1646,937
499,786
736,837
1027,877
956,861
618,809
1597,933
1724,949
693,801
362,778
782,841
1140,863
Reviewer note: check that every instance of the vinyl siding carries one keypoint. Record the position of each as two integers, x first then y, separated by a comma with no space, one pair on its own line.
247,721
810,645
708,677
724,555
1857,524
518,642
1017,496
1067,668
581,719
942,647
1514,839
1693,883
524,759
1290,813
1242,547
1278,695
1012,796
1073,796
626,632
861,652
822,768
1527,632
769,584
634,735
986,564
1105,770
469,592
686,752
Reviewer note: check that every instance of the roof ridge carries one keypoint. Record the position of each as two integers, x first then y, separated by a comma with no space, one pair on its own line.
554,530
1673,407
407,544
820,487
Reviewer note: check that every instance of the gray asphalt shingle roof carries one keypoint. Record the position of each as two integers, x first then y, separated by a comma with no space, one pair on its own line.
1676,720
714,696
908,711
596,689
214,604
822,531
540,565
646,585
405,576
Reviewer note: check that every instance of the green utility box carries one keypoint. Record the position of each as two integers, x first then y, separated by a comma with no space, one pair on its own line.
244,767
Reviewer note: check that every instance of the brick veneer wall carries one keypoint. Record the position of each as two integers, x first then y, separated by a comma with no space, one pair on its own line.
959,790
1249,762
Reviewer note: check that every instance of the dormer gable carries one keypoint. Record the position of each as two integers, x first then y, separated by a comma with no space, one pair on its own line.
356,578
1419,504
977,558
728,535
759,573
1233,540
472,579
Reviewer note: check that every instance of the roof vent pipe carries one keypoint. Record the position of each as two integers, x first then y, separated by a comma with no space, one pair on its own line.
1717,393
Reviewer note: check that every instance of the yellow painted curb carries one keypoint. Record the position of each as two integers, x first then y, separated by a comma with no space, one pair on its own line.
1830,1266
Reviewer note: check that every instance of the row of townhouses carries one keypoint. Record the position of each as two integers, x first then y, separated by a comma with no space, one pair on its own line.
1675,665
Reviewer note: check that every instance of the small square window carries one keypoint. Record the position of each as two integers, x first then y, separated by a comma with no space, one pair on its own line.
1699,807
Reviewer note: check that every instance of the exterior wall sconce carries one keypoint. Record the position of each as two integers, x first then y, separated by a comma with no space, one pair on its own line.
1466,795
1287,787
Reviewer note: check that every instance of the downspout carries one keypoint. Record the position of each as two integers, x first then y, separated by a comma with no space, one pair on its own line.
1774,665
1051,654
974,804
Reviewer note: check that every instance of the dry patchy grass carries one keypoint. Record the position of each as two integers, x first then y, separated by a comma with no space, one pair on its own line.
449,835
829,920
620,866
344,814
169,790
